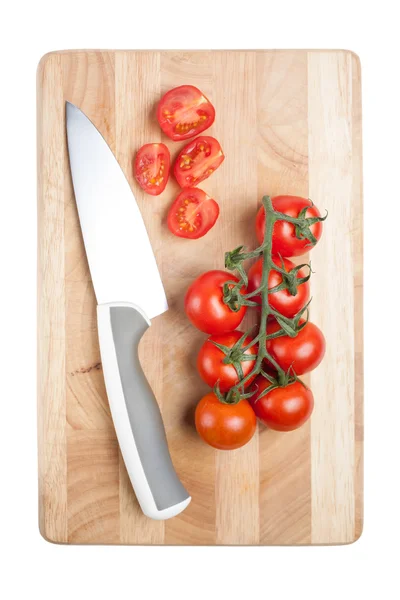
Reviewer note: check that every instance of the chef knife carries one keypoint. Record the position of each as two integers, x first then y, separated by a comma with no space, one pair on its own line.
129,293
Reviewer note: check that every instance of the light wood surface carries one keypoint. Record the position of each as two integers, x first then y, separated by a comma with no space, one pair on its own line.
289,122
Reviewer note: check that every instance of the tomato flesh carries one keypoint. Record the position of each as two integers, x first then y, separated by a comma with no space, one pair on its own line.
282,301
205,307
151,168
197,161
184,112
224,426
284,408
192,214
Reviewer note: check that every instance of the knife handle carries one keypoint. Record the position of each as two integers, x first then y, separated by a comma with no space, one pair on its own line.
135,412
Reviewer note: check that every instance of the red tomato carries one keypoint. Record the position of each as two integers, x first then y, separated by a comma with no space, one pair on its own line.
192,214
184,112
282,301
205,307
210,361
224,426
284,240
151,168
284,408
197,161
302,353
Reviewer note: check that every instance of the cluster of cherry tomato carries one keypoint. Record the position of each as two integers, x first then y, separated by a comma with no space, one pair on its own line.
288,405
183,113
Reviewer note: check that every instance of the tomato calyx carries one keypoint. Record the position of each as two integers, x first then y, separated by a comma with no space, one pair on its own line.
290,280
290,326
234,261
288,378
232,297
234,395
237,353
302,225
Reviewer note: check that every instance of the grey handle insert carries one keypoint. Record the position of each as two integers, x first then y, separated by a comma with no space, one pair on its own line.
128,326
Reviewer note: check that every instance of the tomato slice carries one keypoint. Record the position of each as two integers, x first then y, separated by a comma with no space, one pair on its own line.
192,214
197,161
151,168
184,112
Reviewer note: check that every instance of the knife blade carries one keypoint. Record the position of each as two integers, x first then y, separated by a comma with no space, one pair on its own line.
129,293
117,246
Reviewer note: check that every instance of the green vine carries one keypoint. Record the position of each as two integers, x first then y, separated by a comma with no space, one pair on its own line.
235,300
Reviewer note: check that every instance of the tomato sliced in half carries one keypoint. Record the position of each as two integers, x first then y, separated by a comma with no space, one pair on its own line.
184,112
197,161
192,214
151,168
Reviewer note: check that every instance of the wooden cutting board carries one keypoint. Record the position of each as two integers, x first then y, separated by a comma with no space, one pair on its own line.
289,122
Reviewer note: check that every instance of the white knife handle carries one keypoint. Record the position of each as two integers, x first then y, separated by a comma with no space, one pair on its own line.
135,412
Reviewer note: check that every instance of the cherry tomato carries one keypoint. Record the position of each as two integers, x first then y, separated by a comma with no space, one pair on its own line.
302,353
284,408
184,112
197,161
151,168
205,307
282,301
192,214
210,361
224,426
284,240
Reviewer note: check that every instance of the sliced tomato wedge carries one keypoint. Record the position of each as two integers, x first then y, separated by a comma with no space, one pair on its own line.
151,168
192,214
184,112
197,161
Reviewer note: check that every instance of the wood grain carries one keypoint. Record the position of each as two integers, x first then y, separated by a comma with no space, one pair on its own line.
332,178
283,168
89,425
289,122
181,385
357,253
237,473
52,421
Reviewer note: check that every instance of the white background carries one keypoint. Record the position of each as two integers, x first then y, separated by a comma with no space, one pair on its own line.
30,566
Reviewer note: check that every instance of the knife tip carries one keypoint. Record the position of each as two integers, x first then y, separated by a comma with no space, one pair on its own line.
69,107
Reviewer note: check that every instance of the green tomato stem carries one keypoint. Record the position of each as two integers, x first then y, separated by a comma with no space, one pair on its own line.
261,338
234,260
